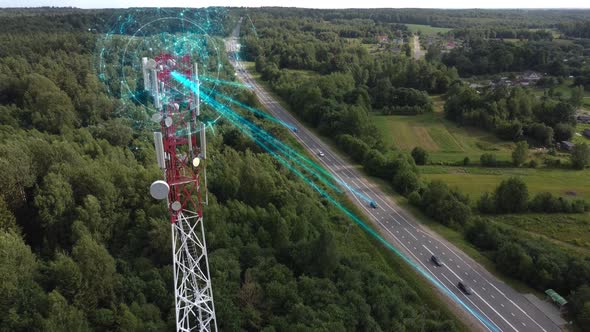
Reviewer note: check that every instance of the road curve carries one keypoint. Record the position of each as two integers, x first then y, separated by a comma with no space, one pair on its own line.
491,298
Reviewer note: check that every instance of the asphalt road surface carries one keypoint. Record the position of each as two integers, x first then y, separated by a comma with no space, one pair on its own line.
507,309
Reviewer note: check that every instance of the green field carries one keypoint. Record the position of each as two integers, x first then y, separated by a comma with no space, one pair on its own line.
569,231
445,141
426,29
476,180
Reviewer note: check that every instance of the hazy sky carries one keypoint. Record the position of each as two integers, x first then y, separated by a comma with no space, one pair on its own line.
303,3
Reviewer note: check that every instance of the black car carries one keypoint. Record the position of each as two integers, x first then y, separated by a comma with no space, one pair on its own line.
464,288
373,204
436,261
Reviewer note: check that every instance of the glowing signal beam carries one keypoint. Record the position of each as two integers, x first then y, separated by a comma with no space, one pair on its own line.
248,131
249,108
223,82
253,27
285,149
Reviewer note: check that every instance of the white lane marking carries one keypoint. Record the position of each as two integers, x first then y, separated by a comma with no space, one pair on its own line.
496,288
427,249
497,313
412,235
468,299
512,314
492,295
502,304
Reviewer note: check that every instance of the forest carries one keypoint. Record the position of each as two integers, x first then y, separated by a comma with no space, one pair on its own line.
83,247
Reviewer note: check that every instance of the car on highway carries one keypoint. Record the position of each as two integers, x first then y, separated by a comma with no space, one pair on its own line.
436,261
373,204
464,288
294,129
320,153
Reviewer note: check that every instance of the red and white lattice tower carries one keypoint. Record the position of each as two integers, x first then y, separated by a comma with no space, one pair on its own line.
181,156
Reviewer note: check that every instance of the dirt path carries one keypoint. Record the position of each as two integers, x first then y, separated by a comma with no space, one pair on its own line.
418,52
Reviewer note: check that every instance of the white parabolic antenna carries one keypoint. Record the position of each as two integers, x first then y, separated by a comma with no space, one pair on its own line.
156,117
159,189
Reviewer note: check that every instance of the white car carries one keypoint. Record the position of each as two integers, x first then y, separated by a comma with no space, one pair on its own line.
320,153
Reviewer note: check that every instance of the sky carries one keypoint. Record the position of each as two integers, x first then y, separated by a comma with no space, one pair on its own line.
302,3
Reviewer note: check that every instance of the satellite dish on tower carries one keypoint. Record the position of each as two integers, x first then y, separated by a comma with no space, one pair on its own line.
156,117
168,121
159,189
196,162
176,206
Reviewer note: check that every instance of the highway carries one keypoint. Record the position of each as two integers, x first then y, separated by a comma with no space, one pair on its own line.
491,298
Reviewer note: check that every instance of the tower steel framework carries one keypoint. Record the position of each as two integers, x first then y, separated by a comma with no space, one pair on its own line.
181,156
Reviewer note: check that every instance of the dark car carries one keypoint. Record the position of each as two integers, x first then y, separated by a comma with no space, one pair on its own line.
373,204
436,261
464,288
294,129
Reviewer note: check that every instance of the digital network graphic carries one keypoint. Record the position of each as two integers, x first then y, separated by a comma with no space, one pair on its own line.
170,70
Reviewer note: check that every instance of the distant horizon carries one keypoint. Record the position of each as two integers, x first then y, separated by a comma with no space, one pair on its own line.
303,4
299,7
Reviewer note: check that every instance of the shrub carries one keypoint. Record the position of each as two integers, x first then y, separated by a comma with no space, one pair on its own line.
488,159
511,196
405,182
414,198
420,155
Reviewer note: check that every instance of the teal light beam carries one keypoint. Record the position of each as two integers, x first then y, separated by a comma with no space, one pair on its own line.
286,150
223,82
248,132
249,108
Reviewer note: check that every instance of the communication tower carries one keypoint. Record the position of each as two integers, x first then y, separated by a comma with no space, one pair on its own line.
181,156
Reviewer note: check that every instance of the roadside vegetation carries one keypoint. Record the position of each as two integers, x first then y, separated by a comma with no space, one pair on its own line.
474,158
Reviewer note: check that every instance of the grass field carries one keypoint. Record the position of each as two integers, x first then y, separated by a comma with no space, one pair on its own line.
569,231
426,29
476,180
445,141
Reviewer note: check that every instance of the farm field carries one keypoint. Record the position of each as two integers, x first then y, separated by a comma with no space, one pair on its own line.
426,29
445,141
